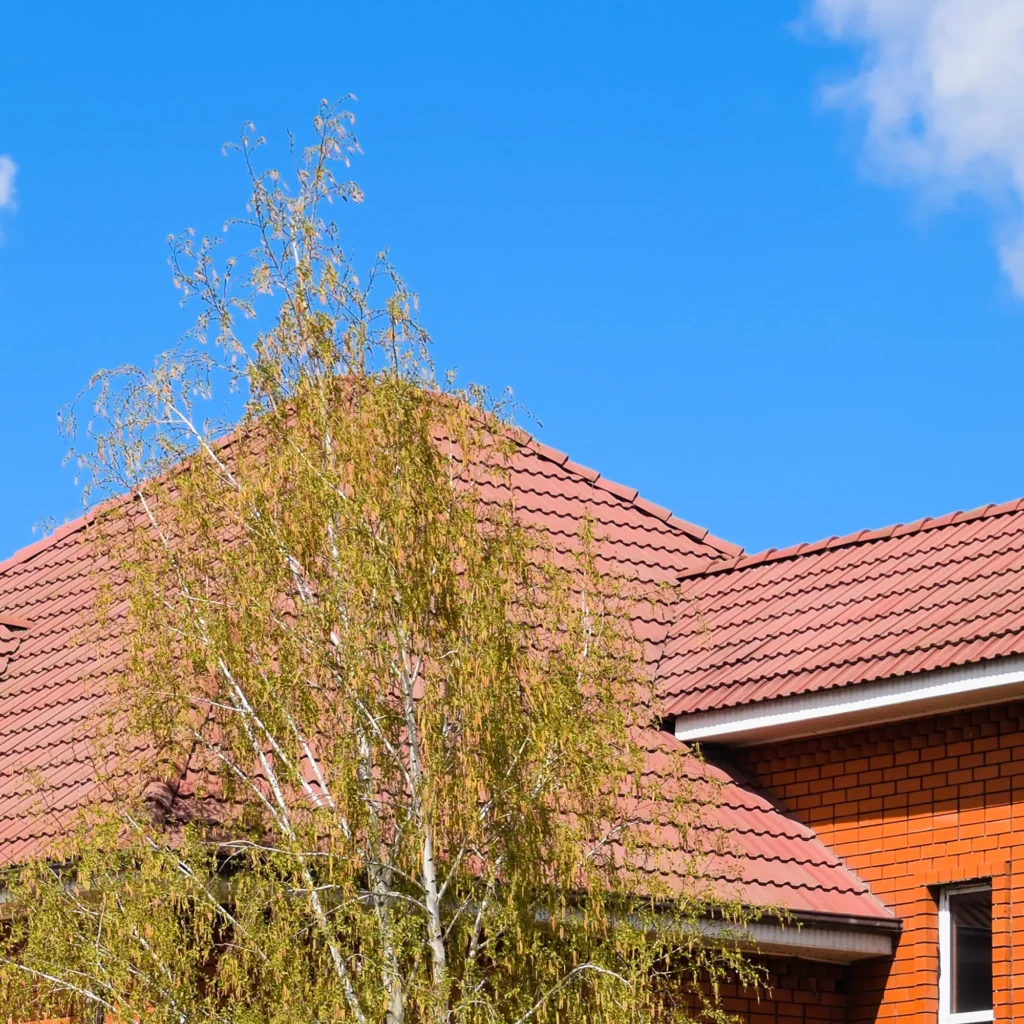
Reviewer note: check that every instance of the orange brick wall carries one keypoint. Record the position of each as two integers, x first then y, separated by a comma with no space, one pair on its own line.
801,993
909,806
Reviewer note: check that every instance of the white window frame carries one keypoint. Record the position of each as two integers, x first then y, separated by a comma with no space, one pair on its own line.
946,958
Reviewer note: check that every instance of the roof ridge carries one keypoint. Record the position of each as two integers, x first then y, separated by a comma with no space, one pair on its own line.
817,583
858,537
630,494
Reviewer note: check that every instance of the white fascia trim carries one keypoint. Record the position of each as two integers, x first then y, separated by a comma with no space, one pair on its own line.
807,941
859,703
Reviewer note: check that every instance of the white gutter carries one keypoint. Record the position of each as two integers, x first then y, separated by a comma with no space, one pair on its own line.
845,707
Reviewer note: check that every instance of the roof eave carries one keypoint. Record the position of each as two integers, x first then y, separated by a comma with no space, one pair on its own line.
822,937
840,708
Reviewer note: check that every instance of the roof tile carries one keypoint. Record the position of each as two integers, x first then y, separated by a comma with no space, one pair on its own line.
52,695
874,604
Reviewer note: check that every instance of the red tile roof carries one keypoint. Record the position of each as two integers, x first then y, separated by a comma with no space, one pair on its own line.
53,691
932,594
53,675
771,859
10,639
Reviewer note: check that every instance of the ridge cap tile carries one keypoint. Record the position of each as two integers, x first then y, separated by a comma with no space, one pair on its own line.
695,531
658,511
865,536
546,451
619,490
588,474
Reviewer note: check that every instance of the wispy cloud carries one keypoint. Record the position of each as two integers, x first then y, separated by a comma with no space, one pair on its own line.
942,88
8,170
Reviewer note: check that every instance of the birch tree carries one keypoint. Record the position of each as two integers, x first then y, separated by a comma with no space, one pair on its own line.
376,747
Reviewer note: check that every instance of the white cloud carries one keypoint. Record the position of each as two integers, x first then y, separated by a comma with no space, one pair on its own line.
8,169
942,87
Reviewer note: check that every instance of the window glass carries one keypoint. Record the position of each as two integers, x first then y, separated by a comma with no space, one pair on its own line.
970,920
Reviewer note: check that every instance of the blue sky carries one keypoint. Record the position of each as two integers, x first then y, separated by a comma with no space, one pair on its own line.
777,308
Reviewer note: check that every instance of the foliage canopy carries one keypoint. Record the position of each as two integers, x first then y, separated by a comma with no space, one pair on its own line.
376,746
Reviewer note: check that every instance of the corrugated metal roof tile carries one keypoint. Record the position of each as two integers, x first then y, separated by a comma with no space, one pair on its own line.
51,698
930,594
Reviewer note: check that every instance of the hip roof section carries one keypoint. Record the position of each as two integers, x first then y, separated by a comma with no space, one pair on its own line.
933,594
53,688
55,673
770,859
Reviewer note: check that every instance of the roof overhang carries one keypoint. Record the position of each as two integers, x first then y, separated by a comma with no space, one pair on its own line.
821,937
858,704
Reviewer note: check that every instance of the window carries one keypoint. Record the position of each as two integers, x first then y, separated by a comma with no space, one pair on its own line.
965,954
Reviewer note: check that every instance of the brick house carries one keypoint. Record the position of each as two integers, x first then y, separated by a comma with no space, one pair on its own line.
872,684
861,699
